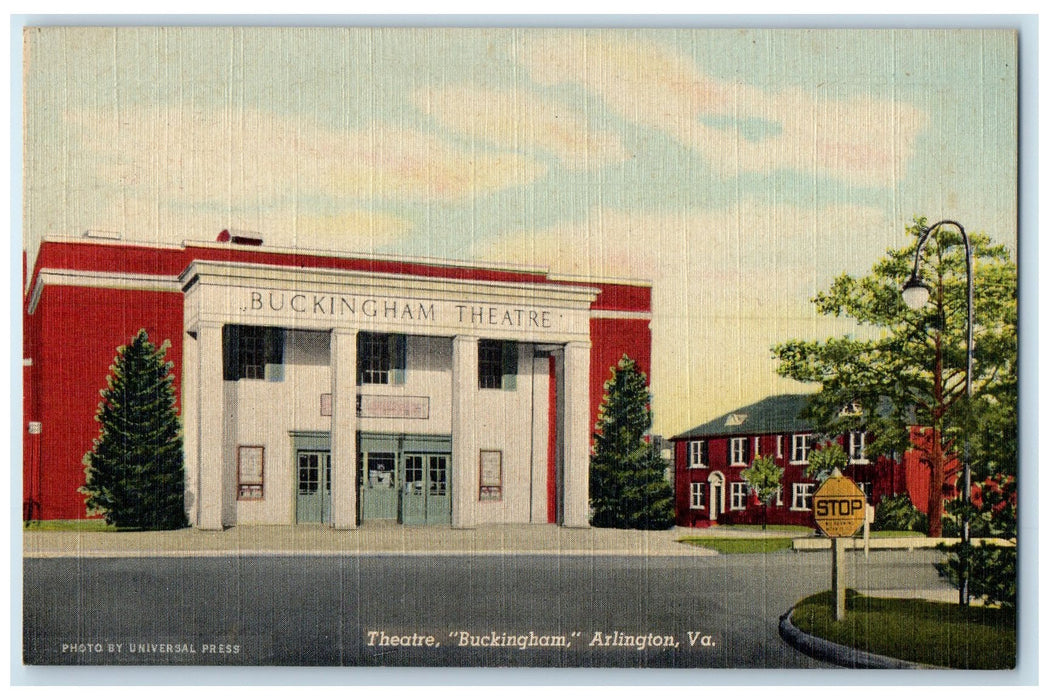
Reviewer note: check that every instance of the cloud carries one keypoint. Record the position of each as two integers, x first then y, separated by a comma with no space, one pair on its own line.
246,157
737,127
727,285
523,121
144,218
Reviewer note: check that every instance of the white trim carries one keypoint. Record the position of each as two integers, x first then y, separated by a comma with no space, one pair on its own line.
794,495
99,280
632,315
27,362
862,459
123,242
697,464
318,252
494,266
388,257
808,447
694,497
732,451
624,281
742,494
719,479
249,273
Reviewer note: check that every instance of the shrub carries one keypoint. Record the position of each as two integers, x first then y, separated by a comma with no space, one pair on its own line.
898,513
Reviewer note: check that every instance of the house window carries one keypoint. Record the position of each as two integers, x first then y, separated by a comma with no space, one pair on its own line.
757,447
697,454
802,499
737,451
497,364
739,495
695,495
252,352
380,358
779,495
779,446
868,489
857,446
800,446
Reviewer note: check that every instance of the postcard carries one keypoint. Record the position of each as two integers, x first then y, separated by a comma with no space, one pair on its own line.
520,347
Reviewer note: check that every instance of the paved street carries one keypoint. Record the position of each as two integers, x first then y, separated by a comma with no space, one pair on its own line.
576,611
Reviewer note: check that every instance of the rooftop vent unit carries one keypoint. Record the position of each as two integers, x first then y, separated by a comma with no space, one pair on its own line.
735,419
239,237
105,235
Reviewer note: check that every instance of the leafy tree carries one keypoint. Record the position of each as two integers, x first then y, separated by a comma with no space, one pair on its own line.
906,367
764,478
823,460
134,469
627,487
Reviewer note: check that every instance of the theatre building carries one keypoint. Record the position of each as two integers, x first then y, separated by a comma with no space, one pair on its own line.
330,388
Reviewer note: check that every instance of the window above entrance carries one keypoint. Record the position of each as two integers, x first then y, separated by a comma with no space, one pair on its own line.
381,358
252,352
497,364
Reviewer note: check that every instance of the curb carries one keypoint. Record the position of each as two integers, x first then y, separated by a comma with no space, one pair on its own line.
839,654
217,553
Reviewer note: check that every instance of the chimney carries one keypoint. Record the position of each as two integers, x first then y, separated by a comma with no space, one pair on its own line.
238,237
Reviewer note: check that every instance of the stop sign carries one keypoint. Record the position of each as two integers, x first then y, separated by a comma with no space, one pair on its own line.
839,507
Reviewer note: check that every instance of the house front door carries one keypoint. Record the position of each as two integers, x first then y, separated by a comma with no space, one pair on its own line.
717,496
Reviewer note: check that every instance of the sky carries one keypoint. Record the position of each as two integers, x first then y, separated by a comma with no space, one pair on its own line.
740,171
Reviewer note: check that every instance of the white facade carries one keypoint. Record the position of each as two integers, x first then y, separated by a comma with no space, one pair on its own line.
420,440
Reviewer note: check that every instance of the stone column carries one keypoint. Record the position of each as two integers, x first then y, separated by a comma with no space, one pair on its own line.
465,440
344,429
540,466
576,431
190,402
211,490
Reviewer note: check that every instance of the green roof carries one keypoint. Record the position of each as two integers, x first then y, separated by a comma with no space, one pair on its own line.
775,414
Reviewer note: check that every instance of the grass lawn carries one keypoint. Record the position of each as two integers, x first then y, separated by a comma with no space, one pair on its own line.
740,545
97,525
793,529
925,632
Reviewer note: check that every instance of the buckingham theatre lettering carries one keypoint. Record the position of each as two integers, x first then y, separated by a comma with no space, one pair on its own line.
337,306
390,309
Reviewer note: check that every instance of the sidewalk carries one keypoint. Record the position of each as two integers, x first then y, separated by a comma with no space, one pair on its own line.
370,539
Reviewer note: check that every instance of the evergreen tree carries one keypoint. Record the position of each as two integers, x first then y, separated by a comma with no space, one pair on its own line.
134,469
627,488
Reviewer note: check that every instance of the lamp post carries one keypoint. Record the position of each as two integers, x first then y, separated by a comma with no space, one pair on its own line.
915,295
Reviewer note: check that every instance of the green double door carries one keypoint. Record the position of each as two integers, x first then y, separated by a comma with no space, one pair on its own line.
425,497
405,478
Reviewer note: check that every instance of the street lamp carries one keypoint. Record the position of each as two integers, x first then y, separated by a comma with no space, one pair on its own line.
915,295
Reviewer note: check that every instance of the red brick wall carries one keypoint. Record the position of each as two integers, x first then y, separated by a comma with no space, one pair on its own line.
80,330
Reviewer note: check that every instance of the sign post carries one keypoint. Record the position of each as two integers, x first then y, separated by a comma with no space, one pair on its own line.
840,508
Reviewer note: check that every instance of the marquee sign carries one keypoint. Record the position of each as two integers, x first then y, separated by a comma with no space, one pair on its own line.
370,406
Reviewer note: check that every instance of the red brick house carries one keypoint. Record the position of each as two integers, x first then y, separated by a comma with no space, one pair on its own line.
709,459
